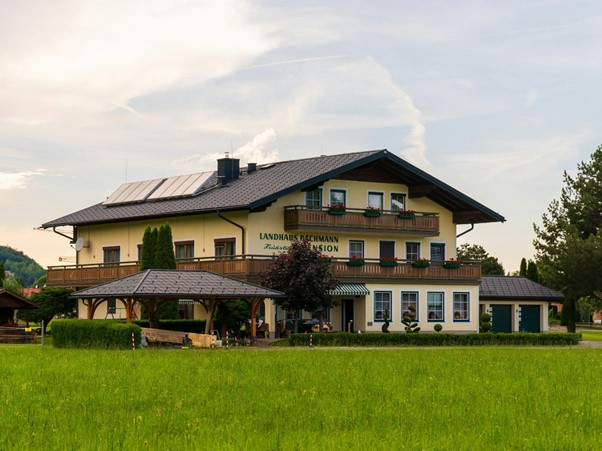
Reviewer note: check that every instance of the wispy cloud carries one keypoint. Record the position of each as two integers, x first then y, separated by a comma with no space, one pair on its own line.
18,180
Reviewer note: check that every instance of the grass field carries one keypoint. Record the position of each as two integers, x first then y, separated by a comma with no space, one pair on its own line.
281,399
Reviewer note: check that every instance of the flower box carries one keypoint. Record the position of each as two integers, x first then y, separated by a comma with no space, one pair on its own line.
388,262
371,213
406,215
452,264
337,209
421,263
356,262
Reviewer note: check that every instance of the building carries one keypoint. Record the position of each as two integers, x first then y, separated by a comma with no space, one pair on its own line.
388,228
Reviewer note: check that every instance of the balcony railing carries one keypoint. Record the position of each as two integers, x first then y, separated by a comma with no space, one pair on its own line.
299,217
249,268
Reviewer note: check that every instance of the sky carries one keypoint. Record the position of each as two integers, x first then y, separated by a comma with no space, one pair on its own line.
497,99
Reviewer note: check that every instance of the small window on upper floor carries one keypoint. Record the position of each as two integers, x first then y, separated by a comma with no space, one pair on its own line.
313,199
338,198
375,200
184,250
398,202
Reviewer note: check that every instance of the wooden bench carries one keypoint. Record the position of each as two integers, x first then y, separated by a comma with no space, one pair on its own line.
16,335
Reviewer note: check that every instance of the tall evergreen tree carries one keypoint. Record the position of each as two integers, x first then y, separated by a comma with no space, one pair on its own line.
569,241
532,273
523,268
157,253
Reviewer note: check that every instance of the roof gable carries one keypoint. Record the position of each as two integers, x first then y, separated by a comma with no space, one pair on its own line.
256,190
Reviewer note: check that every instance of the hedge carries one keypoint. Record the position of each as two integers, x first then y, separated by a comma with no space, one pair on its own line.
100,334
178,325
483,339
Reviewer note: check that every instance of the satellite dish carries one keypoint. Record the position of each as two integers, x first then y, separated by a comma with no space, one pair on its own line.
79,244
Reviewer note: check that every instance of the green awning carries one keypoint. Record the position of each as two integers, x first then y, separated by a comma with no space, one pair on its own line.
350,289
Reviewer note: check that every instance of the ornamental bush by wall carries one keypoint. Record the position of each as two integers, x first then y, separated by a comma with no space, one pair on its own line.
401,339
99,334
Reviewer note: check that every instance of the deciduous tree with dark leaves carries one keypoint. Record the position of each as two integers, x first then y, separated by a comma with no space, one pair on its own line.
304,276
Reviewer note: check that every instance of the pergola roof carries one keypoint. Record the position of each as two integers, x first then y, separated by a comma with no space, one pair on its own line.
165,283
14,301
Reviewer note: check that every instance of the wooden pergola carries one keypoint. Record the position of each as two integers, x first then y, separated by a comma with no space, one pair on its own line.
9,302
164,285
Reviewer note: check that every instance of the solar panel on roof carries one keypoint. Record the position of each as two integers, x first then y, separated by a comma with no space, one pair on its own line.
181,185
133,192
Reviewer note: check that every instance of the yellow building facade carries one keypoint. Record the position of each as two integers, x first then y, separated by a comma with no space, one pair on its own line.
388,229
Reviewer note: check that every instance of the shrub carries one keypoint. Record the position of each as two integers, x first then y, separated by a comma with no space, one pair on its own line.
438,327
103,334
495,339
485,325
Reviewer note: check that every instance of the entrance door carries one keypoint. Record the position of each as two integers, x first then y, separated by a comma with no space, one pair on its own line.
347,315
501,318
530,318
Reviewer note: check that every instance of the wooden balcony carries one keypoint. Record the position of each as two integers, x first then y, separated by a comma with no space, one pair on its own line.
249,267
298,217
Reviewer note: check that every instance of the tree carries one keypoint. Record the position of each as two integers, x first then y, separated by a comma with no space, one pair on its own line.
490,266
523,268
304,277
13,285
53,302
2,273
568,243
157,253
532,273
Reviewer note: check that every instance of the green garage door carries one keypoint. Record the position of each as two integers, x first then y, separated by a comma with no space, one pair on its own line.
501,318
530,318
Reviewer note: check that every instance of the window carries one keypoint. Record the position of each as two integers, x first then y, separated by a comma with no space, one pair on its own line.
225,247
139,252
461,306
356,249
382,305
111,254
338,197
387,249
375,200
409,298
437,252
185,309
412,251
184,250
398,202
434,306
111,307
313,199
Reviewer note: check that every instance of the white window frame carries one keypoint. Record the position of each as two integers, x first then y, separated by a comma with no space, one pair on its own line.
381,196
459,311
417,306
390,309
434,314
434,244
320,200
352,253
338,191
387,241
407,257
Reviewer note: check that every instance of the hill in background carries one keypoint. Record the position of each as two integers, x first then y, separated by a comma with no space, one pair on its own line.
23,267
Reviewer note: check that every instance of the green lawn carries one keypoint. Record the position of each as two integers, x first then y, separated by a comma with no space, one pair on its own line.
282,399
591,334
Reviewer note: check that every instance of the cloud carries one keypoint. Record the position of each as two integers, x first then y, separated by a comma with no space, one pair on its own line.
18,180
260,149
76,58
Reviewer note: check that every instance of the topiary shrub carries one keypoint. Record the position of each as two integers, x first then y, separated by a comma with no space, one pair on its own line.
407,319
438,327
385,326
485,325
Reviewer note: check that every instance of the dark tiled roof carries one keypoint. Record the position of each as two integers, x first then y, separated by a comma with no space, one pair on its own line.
258,189
506,287
14,301
165,283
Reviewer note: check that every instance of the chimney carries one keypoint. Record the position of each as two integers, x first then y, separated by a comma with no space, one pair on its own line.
227,169
251,167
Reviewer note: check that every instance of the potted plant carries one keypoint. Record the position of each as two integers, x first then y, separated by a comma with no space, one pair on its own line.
452,263
356,261
336,209
388,261
421,263
406,214
324,259
372,212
